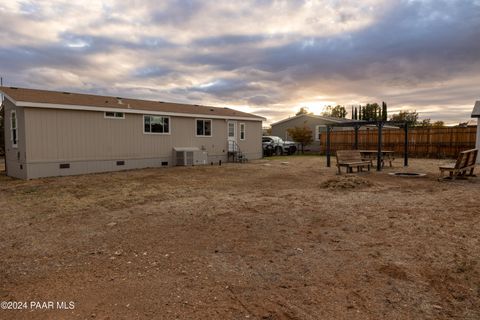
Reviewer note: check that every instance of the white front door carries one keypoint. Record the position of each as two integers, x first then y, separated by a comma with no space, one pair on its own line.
232,135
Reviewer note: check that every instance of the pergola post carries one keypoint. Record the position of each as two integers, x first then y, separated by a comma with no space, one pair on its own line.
328,146
379,146
357,125
405,152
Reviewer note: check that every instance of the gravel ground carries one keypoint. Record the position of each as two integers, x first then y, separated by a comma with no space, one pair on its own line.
284,238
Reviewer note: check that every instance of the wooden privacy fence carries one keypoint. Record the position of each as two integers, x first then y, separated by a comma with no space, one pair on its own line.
442,142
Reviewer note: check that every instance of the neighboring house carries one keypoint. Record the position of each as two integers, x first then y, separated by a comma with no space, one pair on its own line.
476,114
266,131
51,133
469,123
316,123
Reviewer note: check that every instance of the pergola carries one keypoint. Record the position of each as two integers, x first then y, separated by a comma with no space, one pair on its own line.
357,124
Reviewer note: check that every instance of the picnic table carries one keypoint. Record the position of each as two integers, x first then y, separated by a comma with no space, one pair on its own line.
387,155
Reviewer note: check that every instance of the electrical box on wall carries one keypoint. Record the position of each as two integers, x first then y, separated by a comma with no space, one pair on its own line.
200,157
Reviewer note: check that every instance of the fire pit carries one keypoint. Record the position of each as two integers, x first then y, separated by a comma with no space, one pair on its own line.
408,174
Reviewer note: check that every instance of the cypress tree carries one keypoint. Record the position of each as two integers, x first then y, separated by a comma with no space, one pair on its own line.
384,111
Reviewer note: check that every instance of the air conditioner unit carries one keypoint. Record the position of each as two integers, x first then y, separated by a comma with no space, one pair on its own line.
189,156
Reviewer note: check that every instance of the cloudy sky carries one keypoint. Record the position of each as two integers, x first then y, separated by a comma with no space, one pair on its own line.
261,56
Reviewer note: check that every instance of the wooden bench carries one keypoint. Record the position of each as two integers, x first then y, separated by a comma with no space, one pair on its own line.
463,167
351,159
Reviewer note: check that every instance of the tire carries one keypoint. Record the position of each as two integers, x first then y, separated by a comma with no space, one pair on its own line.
268,151
292,150
278,151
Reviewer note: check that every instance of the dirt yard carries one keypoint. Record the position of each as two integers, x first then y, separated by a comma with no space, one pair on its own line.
264,240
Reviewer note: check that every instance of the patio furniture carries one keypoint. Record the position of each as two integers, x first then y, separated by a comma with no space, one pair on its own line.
379,124
371,155
463,167
351,159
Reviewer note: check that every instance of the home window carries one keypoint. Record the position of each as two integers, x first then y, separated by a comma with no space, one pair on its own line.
242,131
231,129
115,115
156,124
318,133
13,129
204,127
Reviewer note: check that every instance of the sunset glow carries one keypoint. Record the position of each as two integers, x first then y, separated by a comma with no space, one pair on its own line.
266,57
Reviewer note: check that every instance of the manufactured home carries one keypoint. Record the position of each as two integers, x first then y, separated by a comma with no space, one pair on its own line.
476,114
49,133
317,124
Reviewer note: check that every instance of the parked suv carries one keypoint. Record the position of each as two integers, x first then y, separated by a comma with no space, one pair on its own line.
275,145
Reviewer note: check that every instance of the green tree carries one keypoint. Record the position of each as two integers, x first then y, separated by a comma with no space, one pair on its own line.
337,112
302,135
409,116
371,111
303,110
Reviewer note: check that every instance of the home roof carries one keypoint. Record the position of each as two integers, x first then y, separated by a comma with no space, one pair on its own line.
77,101
476,110
331,119
470,123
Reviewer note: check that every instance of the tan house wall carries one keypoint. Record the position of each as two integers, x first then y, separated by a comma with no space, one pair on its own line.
252,144
89,142
15,157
